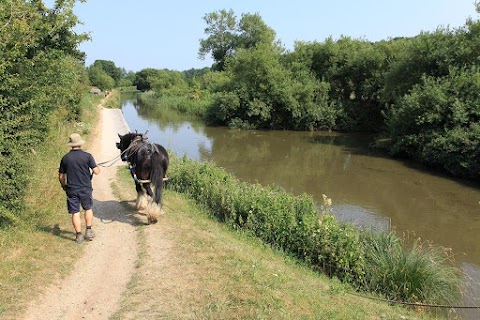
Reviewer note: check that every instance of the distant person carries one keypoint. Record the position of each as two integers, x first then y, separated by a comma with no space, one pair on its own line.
75,175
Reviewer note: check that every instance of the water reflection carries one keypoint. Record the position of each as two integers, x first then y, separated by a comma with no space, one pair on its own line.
366,188
361,184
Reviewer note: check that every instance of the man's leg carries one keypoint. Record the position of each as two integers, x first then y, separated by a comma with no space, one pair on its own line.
89,217
77,222
89,235
77,225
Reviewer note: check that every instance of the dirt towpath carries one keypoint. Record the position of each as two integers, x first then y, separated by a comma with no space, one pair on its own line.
100,276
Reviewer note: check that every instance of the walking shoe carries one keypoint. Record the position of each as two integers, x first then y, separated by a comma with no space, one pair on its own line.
89,235
79,238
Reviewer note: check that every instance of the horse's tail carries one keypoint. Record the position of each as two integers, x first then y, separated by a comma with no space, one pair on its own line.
158,171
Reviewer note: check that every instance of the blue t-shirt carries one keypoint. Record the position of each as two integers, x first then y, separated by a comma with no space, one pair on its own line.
76,165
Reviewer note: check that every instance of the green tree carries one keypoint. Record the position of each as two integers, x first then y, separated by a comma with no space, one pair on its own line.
166,82
192,73
109,68
252,31
99,78
226,35
41,71
221,42
264,93
354,70
426,54
437,123
214,81
127,79
142,78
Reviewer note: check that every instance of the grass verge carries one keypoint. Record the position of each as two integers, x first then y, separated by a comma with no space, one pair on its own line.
193,267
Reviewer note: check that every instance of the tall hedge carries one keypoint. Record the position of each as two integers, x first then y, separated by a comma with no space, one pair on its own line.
41,70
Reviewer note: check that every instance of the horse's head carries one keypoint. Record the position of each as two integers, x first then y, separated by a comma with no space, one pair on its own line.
125,142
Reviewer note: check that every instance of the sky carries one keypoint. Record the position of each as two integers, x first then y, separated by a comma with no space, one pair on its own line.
166,34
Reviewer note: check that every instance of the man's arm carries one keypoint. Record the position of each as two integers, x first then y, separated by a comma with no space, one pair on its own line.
61,178
96,170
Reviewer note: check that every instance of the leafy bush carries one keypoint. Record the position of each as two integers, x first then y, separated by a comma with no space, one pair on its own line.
223,108
437,123
183,104
280,219
40,73
374,262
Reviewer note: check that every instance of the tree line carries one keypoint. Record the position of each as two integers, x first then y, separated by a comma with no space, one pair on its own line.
419,95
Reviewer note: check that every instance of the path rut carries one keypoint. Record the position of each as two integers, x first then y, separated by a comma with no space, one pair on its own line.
100,276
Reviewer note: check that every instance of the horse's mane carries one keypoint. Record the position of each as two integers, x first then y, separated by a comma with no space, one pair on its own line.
137,140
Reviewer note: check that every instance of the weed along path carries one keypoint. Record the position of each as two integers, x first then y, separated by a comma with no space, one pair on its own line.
101,274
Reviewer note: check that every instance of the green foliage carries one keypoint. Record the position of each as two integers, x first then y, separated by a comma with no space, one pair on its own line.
425,273
437,123
354,71
272,95
221,28
253,31
99,78
105,75
370,261
429,54
226,35
223,106
142,79
192,74
183,104
127,79
40,72
127,89
110,68
214,81
166,82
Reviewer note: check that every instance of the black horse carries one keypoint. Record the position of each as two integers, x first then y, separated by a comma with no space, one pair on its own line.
148,162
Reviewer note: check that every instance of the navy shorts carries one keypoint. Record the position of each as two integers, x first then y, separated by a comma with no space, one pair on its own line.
75,198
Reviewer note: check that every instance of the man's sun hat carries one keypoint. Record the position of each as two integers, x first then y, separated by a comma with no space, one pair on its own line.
75,140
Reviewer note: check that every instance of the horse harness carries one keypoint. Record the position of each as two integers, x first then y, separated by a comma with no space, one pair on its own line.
131,150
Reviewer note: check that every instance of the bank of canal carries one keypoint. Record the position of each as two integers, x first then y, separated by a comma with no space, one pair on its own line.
366,188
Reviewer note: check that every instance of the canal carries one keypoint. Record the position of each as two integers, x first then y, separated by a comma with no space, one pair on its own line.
366,188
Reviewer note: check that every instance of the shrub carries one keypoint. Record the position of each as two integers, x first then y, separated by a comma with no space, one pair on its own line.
374,262
437,123
422,274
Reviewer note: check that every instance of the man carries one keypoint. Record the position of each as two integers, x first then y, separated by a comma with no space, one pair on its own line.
76,179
